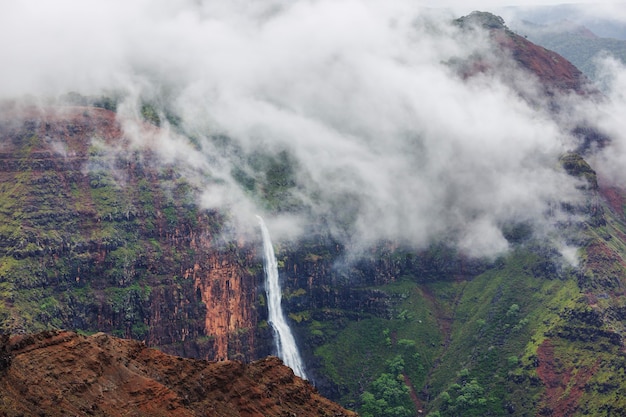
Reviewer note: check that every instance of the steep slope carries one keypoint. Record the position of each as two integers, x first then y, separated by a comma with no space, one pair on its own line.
525,334
576,43
62,373
99,235
555,73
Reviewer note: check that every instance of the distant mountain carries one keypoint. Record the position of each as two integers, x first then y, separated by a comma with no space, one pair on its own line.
575,42
589,15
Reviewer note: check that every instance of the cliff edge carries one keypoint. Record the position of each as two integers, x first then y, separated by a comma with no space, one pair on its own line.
60,373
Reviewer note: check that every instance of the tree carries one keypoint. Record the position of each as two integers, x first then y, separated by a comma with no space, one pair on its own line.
389,396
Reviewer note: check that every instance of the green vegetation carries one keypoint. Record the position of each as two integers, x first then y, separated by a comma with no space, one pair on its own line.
475,346
495,316
88,246
389,396
270,179
356,349
150,114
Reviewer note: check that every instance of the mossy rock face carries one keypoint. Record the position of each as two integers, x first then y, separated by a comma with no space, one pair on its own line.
475,339
483,19
576,166
90,238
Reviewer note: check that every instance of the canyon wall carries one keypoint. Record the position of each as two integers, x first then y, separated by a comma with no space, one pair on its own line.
99,236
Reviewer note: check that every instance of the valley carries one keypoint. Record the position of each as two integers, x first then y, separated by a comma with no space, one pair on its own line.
463,257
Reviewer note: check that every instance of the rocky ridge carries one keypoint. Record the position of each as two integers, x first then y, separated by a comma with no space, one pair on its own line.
555,73
61,373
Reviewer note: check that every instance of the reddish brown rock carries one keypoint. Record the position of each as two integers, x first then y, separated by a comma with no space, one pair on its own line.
61,373
564,387
554,72
230,305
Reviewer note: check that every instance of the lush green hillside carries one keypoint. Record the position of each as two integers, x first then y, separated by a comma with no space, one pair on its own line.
522,335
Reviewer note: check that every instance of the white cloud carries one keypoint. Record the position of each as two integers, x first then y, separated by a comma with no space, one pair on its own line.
608,115
385,134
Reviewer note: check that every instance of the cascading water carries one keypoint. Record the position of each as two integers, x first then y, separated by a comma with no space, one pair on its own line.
283,338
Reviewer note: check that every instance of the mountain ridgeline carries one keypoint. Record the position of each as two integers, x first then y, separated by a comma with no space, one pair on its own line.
101,375
99,235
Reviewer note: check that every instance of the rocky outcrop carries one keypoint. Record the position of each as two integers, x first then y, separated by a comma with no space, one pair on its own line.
61,373
225,288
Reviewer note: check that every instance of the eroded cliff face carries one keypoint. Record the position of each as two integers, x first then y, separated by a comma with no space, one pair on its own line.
61,373
229,293
99,234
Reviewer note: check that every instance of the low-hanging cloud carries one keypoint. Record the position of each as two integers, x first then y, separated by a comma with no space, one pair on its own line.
386,140
610,161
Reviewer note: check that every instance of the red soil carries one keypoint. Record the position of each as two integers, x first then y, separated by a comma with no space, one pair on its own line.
564,387
61,373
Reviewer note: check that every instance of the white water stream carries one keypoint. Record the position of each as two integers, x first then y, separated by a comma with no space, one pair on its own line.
283,338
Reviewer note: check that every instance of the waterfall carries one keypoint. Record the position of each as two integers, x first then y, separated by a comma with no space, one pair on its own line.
283,338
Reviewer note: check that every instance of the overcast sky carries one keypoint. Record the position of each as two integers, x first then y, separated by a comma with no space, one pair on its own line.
489,4
614,10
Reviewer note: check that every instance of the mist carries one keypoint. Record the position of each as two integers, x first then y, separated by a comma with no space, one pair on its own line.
357,104
605,19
